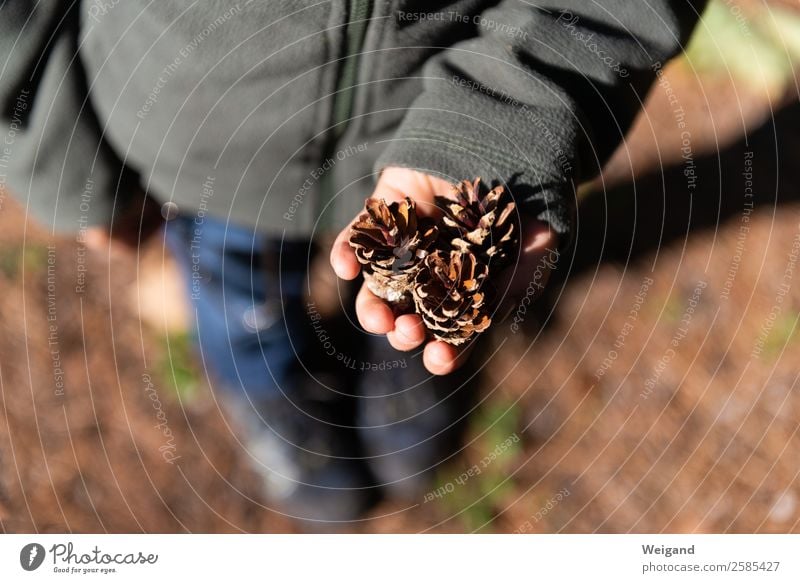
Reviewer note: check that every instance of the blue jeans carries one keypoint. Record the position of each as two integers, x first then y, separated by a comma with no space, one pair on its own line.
246,293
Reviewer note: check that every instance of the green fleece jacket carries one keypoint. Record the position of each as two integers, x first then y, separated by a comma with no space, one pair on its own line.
281,114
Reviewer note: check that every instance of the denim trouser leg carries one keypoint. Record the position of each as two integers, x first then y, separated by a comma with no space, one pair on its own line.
249,320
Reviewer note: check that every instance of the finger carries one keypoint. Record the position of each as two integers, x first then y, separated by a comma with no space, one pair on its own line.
343,258
373,313
441,358
408,333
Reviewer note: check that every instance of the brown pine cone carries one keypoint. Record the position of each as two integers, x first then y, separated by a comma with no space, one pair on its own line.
448,296
390,241
484,224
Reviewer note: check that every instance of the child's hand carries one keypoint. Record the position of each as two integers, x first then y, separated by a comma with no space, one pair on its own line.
407,332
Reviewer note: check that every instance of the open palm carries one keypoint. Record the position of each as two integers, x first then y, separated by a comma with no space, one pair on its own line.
407,332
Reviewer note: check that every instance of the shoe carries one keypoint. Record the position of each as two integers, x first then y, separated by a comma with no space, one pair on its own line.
312,468
409,420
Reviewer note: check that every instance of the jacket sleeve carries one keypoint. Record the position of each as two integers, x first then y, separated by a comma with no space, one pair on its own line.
541,97
53,156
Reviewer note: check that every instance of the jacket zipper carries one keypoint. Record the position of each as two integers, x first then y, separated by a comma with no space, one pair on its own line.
358,14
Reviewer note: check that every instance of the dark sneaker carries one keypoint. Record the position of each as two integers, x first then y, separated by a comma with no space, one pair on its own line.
409,421
313,469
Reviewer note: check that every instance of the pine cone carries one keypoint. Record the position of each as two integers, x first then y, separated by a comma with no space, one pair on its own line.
483,224
390,241
448,296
